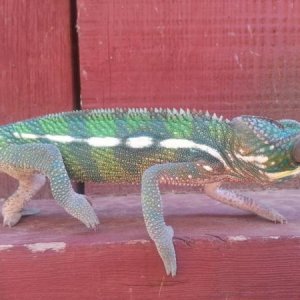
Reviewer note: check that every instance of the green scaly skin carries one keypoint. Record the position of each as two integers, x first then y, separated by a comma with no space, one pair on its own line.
147,147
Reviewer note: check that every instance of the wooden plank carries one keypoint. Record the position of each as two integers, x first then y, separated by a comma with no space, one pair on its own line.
36,62
223,253
230,57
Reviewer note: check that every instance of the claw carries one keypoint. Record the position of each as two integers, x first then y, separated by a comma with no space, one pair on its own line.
166,251
83,211
10,220
277,217
95,228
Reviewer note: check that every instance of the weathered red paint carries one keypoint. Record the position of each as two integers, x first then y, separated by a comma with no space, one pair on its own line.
35,61
223,253
230,57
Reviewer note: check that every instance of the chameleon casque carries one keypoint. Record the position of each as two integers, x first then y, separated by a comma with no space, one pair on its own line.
147,146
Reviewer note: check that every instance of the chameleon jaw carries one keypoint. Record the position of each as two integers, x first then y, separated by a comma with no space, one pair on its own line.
279,175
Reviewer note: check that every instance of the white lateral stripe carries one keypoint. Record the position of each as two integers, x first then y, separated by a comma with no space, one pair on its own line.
184,144
59,138
258,160
102,141
50,137
255,159
134,142
139,142
25,135
29,136
92,141
211,151
177,143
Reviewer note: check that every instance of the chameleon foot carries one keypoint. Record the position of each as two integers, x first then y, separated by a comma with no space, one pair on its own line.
276,217
11,219
79,207
166,250
215,191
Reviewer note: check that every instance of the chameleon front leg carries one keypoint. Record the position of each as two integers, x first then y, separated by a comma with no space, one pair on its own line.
215,191
177,173
46,159
29,184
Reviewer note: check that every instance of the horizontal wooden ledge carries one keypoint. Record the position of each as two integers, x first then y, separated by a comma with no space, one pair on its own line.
221,251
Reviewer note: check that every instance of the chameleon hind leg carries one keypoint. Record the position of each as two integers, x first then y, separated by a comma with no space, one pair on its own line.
29,184
46,159
172,173
215,191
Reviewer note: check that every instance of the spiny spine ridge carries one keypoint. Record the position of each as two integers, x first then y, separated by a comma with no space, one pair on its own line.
110,113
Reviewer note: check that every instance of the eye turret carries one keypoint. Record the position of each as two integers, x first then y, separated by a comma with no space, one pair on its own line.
296,150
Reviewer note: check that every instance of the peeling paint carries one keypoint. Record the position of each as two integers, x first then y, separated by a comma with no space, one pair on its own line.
84,74
133,242
237,60
5,247
42,247
250,31
238,238
274,237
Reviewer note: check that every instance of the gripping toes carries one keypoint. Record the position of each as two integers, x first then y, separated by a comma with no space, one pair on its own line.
11,219
166,250
80,208
277,217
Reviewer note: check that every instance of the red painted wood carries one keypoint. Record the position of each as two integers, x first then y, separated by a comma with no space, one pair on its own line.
35,61
230,57
223,253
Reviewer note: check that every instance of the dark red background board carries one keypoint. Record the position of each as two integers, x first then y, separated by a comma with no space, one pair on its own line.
223,253
230,57
35,62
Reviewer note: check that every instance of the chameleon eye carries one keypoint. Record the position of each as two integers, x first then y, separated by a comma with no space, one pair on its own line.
296,150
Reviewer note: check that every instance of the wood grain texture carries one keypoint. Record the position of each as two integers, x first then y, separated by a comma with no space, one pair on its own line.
35,61
230,57
223,253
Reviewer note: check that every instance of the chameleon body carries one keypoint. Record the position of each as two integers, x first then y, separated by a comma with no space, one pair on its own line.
178,147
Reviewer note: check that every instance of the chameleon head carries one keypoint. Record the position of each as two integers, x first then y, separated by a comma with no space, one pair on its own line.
272,146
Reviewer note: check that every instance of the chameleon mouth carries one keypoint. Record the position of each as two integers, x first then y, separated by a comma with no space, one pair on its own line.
284,174
296,150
